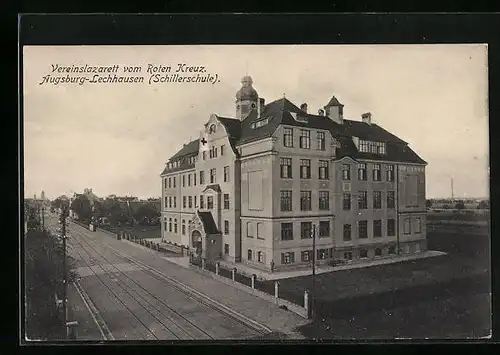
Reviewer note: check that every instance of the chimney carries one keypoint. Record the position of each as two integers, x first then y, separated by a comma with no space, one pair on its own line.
366,118
261,105
303,107
321,112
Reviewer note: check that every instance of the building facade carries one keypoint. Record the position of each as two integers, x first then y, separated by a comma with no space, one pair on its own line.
256,188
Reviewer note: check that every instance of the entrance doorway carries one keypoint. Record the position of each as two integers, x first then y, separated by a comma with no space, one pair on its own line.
197,243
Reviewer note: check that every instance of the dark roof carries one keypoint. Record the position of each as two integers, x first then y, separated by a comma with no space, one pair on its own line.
282,111
333,102
215,187
208,222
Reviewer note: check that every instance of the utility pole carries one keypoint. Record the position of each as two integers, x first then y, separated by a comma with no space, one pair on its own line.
43,217
452,194
313,294
65,273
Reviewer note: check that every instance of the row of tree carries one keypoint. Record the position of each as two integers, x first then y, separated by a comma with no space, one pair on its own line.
482,205
43,263
116,212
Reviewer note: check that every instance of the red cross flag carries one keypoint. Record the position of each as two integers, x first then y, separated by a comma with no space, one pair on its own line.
204,142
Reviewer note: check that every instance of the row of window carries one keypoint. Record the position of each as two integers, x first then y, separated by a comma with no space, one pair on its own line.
286,200
171,226
305,169
362,172
213,152
191,201
306,230
372,147
260,256
304,139
190,179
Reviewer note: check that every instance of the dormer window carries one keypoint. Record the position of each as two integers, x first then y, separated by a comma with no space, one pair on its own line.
372,147
212,129
260,123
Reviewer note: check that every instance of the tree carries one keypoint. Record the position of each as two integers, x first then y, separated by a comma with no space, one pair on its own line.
112,209
81,206
460,206
483,205
146,213
60,202
428,203
43,281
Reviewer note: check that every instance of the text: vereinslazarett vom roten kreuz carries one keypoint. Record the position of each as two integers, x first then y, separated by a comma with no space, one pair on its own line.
180,73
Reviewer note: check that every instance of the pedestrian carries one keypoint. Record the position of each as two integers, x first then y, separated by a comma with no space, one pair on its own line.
272,265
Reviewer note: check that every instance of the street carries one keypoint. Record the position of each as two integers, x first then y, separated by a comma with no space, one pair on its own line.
131,300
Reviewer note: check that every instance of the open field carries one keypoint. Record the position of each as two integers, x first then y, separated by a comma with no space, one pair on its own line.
441,297
139,232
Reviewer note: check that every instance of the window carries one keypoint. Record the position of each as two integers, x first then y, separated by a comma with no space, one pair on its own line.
321,140
226,249
346,172
378,252
202,202
260,123
288,258
305,168
391,227
183,227
184,201
305,139
390,173
213,152
305,255
166,201
174,181
418,225
260,229
170,202
286,200
363,253
324,229
363,229
194,179
407,226
249,230
183,180
322,254
390,199
189,179
286,231
222,148
362,172
190,201
165,225
226,201
377,199
226,227
362,203
377,228
165,182
305,230
372,147
288,137
376,172
346,201
249,254
202,177
286,168
204,155
195,204
391,250
175,225
170,224
348,255
324,200
210,202
212,176
226,173
175,201
305,200
260,257
323,169
347,232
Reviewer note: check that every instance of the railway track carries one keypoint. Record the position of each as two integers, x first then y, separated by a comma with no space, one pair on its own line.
159,319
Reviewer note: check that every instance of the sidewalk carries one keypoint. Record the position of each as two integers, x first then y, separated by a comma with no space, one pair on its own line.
321,269
251,306
78,311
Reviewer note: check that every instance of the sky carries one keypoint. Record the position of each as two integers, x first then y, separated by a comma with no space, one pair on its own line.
116,137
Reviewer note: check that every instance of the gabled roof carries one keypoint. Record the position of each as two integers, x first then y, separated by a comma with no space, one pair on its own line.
190,148
215,187
208,222
333,102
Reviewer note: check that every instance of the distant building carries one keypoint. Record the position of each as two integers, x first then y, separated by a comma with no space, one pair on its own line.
251,188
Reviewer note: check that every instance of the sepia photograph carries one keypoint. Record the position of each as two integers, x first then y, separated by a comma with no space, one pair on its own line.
255,192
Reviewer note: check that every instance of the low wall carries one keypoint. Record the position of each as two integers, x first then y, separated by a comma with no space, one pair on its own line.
301,311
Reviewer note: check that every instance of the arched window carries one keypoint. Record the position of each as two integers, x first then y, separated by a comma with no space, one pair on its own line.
378,252
170,224
260,257
249,254
175,225
183,227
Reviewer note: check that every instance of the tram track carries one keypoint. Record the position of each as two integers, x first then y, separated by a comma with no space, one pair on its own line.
179,326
